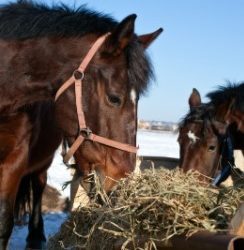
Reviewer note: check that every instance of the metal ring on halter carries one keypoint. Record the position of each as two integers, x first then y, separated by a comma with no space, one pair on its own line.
85,132
78,75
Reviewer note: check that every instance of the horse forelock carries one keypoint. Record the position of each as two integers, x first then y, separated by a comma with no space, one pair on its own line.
198,114
140,70
202,115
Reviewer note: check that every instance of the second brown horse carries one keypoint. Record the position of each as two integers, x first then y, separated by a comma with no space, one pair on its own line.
210,132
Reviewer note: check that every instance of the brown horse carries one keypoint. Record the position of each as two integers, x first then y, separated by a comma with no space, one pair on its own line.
206,139
40,49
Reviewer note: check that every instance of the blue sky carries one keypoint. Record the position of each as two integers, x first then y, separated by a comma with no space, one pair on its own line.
202,46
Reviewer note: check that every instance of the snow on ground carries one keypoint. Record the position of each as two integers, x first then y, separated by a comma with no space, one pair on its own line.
158,143
58,174
151,143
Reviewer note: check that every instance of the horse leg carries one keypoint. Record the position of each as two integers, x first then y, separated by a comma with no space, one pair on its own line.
6,221
10,175
36,238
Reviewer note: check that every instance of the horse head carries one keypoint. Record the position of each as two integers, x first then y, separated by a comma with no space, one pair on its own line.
201,138
113,81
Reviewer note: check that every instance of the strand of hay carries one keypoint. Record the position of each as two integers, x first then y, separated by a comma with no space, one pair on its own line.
155,205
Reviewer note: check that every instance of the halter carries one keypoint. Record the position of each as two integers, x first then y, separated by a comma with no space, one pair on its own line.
227,160
84,132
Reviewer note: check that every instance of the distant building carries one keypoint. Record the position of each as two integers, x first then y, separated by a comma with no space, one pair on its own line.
144,124
157,125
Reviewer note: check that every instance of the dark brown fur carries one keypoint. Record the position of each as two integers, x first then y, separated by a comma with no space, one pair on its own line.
210,127
40,47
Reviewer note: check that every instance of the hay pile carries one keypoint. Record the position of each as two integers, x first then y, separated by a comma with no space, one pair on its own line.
155,205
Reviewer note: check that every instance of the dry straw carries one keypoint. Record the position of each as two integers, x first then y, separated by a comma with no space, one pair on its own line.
154,206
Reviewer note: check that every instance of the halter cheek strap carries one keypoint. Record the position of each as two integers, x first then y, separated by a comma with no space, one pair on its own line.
85,133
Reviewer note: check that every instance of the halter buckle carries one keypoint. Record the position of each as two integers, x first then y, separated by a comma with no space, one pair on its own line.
85,132
78,75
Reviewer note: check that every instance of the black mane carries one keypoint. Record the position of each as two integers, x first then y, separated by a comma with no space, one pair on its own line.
26,19
227,94
201,113
206,111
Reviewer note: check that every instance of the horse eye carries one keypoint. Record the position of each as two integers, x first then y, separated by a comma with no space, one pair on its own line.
211,148
115,100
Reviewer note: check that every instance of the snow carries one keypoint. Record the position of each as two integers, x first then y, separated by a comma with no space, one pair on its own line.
158,143
151,143
58,174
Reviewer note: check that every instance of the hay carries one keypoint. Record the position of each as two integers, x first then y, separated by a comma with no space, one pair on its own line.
155,205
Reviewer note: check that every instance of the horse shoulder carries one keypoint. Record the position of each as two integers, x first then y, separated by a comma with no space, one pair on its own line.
15,133
25,74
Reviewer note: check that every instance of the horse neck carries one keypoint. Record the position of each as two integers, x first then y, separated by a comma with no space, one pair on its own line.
222,111
37,68
64,57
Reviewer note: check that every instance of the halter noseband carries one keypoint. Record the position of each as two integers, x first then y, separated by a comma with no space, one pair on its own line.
84,132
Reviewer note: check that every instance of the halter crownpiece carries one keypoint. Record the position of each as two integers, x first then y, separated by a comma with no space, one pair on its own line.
84,132
83,65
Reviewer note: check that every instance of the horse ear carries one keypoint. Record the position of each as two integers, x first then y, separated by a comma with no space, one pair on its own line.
121,36
147,39
194,99
220,127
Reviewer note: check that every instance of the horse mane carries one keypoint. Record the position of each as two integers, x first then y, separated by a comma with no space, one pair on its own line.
228,93
202,114
198,114
26,19
206,111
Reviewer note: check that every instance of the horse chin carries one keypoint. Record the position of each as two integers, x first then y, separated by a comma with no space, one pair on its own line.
103,180
203,174
108,165
109,174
